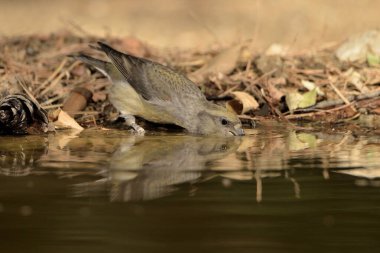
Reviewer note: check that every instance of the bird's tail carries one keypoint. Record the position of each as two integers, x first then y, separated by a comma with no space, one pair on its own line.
96,63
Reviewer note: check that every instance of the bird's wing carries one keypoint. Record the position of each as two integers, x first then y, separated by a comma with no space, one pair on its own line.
151,80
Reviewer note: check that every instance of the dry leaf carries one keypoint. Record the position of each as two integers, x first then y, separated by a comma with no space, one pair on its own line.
309,99
311,86
373,60
64,120
223,63
356,79
292,100
295,100
371,76
242,103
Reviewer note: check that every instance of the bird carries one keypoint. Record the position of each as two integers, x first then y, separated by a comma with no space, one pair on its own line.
157,93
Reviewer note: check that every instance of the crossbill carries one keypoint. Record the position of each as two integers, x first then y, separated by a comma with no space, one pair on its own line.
159,94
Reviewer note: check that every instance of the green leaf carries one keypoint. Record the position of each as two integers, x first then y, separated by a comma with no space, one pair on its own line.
309,99
295,100
373,60
310,139
292,100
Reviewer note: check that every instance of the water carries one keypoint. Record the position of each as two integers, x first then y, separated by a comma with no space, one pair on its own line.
275,190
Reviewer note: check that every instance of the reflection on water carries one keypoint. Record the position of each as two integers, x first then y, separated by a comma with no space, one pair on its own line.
18,155
150,167
110,190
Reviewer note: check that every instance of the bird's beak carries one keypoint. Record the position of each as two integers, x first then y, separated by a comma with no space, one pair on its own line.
238,130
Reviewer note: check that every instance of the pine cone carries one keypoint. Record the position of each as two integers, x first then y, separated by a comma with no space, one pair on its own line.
20,115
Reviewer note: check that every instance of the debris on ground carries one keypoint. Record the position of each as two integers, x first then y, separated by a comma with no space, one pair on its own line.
335,83
19,114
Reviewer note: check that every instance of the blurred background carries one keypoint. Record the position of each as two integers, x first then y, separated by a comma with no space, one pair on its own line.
196,23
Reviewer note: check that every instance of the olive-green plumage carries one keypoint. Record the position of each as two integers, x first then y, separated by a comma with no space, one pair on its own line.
159,94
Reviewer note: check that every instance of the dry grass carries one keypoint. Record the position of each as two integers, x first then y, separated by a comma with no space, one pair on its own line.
41,60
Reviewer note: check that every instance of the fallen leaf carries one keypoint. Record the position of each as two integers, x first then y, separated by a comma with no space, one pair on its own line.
356,79
64,120
376,111
371,76
301,141
309,99
373,60
223,63
295,100
242,103
311,86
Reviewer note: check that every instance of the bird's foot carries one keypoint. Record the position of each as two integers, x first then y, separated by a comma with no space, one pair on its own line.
138,130
130,121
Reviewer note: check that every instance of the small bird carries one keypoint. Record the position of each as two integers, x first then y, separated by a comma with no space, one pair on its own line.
159,94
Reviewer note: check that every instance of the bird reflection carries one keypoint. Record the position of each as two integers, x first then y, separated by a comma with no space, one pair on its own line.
151,167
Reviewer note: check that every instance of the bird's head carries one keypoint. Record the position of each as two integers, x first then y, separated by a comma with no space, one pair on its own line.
217,120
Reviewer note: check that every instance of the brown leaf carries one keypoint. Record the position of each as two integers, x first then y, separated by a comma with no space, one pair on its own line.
371,76
64,120
376,111
242,103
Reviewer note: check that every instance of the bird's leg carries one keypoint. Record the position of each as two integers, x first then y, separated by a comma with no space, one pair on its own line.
130,120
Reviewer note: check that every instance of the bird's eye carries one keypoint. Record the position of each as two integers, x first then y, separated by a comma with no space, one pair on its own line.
224,121
223,148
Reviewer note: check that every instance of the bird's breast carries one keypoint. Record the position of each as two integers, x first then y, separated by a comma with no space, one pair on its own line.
127,101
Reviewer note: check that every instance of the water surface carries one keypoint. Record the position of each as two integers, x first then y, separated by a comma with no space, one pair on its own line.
274,190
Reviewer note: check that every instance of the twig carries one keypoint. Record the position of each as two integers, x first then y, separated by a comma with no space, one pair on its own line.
53,99
264,76
85,113
51,77
337,91
48,107
303,115
225,93
331,103
58,78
